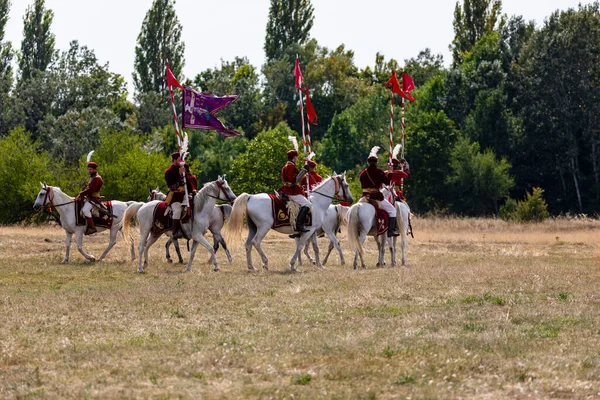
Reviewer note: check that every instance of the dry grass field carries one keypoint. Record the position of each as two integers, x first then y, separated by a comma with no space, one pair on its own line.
484,309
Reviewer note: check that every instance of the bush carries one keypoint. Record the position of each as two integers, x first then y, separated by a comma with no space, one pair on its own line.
532,209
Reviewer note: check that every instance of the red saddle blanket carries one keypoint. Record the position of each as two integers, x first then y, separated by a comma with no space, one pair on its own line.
281,216
103,221
162,223
381,217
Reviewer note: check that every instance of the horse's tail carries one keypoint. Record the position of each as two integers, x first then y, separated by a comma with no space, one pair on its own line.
226,210
401,222
130,213
354,229
236,218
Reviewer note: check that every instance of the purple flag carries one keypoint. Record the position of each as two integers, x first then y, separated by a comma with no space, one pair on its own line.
199,111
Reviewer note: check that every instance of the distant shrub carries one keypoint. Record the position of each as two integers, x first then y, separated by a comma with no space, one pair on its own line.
532,209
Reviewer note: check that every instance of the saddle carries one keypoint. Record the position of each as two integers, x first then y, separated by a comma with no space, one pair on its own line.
101,219
281,214
162,223
381,217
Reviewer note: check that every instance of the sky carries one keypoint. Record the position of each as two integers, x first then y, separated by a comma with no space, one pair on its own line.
224,29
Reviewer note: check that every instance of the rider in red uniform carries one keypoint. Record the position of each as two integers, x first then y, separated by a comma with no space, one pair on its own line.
91,194
313,178
371,180
290,177
176,195
401,171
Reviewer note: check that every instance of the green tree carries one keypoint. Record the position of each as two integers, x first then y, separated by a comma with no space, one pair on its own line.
6,76
159,41
23,165
37,46
258,169
473,20
153,111
424,67
477,181
290,22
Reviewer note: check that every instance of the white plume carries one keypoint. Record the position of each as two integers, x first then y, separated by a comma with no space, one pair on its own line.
184,146
374,151
294,142
89,157
311,155
396,150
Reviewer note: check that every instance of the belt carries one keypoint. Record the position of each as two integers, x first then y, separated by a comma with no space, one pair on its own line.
370,190
95,194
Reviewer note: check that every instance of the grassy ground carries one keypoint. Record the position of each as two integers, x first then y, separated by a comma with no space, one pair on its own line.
484,309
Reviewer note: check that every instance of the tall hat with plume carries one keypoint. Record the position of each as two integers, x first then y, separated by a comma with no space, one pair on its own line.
309,160
373,154
90,163
293,153
397,149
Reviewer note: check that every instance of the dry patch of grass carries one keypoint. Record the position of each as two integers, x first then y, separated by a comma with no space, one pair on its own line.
484,309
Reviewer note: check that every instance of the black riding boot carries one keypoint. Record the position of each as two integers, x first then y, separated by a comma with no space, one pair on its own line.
177,232
300,222
392,228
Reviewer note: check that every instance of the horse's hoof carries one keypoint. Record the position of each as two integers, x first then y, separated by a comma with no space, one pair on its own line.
265,267
64,261
92,259
169,261
217,269
141,271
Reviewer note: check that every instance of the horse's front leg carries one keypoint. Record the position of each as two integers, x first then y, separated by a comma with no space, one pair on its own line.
68,239
200,239
381,245
79,238
333,242
112,241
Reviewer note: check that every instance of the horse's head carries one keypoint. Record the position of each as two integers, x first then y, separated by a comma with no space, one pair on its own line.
156,194
225,192
344,193
42,198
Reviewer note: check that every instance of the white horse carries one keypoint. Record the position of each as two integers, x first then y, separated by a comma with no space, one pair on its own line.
257,208
218,218
51,196
334,219
402,215
204,203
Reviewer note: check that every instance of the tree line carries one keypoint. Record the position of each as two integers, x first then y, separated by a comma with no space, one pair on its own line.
517,109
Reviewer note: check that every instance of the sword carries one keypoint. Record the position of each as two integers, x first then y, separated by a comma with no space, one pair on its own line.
102,210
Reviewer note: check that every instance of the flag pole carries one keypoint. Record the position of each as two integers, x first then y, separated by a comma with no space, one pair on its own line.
303,135
391,129
402,142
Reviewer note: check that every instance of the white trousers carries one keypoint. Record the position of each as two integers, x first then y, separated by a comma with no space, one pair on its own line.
177,208
87,209
388,208
300,199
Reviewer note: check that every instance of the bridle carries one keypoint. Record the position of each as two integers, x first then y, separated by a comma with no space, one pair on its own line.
222,189
50,201
338,185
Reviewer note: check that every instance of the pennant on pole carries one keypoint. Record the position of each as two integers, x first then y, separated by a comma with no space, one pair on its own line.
199,111
407,83
396,87
171,80
298,74
310,110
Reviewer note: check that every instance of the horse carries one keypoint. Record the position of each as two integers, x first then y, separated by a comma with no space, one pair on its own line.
52,196
204,203
402,215
218,218
334,219
258,212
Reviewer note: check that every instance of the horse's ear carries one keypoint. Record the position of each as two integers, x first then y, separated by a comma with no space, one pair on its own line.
150,189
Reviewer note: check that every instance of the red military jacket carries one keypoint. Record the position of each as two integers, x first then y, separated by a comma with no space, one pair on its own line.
397,176
93,187
175,180
313,178
371,179
289,172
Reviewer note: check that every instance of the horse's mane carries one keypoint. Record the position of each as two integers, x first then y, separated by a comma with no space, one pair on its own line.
202,194
321,184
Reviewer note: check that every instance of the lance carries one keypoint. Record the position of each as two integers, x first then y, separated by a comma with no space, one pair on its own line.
402,142
302,117
391,128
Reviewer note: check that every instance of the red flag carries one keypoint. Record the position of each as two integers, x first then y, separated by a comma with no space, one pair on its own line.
298,74
171,80
310,110
407,83
394,82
